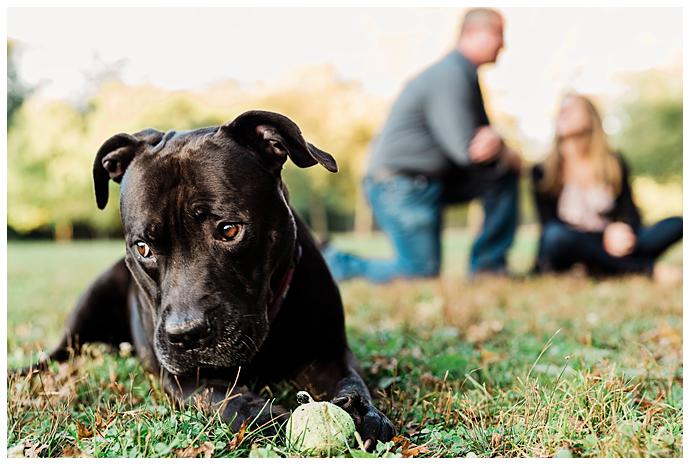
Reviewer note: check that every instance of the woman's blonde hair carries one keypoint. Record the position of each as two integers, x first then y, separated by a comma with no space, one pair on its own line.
606,165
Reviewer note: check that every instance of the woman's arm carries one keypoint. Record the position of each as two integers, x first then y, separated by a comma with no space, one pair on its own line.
626,210
545,205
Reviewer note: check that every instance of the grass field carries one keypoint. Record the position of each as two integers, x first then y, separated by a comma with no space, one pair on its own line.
548,366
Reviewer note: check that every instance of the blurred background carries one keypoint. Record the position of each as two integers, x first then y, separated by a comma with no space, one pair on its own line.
77,76
489,367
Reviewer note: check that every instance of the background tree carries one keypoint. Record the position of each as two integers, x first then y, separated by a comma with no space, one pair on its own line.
652,124
16,90
51,145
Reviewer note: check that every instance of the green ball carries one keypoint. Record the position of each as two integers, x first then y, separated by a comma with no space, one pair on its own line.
319,428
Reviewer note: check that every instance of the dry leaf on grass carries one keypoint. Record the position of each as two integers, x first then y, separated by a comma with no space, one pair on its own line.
83,432
665,336
429,379
380,363
483,331
488,357
100,424
206,448
72,451
496,439
408,449
239,436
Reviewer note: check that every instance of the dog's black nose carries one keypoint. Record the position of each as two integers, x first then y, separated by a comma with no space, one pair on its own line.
187,329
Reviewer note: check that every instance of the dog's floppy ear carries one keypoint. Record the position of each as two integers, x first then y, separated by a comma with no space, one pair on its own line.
277,136
115,155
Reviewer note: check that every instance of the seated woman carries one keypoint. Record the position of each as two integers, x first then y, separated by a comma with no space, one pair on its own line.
585,204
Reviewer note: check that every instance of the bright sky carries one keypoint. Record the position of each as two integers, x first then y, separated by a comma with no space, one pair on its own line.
548,49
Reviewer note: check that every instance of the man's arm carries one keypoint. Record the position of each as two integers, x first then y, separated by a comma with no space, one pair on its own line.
460,129
450,116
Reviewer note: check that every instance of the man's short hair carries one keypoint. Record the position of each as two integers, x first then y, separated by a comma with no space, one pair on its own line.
480,17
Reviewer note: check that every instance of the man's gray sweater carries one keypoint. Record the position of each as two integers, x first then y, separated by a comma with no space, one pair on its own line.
432,122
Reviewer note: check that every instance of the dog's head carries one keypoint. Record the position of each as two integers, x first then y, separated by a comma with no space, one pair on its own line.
208,230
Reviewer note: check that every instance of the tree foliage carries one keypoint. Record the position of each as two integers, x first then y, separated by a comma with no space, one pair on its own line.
652,133
16,90
52,144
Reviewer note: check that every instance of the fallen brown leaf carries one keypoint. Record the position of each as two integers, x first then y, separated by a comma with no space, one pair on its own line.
72,451
415,451
206,448
408,449
83,431
483,331
496,440
100,424
488,356
239,436
380,363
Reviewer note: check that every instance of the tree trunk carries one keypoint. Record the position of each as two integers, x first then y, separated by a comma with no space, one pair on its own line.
63,231
364,218
318,217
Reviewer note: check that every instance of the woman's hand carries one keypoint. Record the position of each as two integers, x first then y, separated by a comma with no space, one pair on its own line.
619,239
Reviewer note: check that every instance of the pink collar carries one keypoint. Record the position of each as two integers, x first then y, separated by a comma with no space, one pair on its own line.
284,287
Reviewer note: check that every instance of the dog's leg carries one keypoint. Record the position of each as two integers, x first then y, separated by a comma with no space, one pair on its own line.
237,404
340,381
100,315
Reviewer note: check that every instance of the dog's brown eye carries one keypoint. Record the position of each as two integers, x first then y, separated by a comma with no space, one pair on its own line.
143,249
228,231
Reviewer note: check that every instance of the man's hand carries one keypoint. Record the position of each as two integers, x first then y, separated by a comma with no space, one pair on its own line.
485,146
619,239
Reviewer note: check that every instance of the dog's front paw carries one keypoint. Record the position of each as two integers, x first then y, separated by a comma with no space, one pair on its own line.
371,424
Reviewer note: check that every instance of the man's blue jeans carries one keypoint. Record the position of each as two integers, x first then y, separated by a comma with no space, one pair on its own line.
409,210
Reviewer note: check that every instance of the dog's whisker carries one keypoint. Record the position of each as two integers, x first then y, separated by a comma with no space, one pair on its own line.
245,345
244,336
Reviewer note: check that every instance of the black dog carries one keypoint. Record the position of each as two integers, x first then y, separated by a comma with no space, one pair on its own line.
220,275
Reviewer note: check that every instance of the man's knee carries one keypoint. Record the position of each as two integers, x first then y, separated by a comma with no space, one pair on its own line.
508,181
416,236
503,188
429,268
